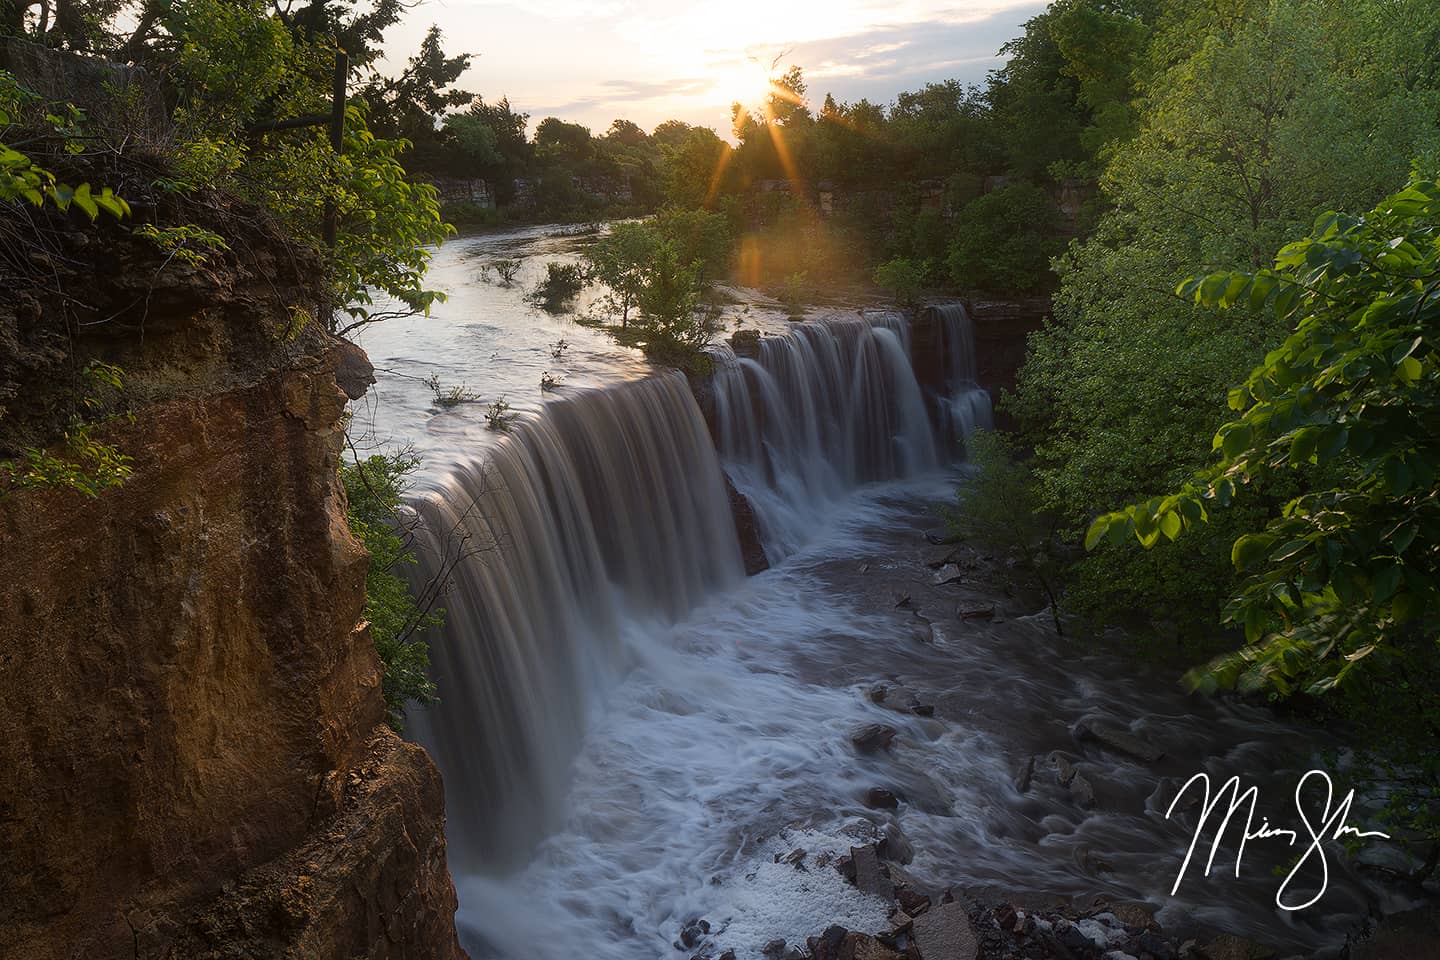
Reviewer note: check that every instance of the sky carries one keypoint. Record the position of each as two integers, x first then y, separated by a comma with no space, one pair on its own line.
652,60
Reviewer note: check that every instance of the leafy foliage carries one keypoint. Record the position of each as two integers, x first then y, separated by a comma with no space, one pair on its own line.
1000,511
1005,239
1341,588
902,278
1351,403
374,488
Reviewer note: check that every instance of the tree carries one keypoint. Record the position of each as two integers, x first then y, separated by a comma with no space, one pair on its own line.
1005,239
410,105
1256,122
627,133
620,260
999,511
560,139
1341,588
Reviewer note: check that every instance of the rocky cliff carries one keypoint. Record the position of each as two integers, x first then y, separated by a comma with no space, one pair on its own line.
194,760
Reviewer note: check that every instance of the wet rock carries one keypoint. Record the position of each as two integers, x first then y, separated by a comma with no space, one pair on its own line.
747,529
691,933
794,953
901,921
775,948
872,737
1229,947
973,613
879,798
942,536
1118,955
944,933
949,573
1157,946
922,629
860,946
1005,916
897,696
1134,914
868,876
912,902
827,945
1025,774
1082,792
1118,739
1064,769
746,343
1072,938
727,955
894,845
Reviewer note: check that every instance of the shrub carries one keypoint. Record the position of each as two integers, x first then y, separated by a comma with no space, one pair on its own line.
373,489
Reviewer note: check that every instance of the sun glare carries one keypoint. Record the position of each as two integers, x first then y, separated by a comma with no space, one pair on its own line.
746,82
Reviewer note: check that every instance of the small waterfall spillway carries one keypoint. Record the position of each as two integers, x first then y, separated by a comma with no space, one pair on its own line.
965,406
814,414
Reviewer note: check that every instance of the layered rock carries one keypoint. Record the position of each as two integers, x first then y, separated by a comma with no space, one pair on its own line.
193,709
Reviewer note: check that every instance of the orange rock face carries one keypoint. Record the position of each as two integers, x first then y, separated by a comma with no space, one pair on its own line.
192,755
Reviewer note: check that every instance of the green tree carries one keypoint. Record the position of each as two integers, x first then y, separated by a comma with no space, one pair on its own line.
620,260
1341,588
1005,239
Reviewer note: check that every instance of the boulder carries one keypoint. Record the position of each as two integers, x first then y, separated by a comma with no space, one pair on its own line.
1118,739
872,737
860,946
1082,792
879,798
869,877
1025,774
775,948
944,933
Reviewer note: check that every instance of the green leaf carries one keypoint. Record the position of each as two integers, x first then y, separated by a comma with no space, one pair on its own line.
1170,525
1236,440
1384,584
83,200
1249,550
1408,370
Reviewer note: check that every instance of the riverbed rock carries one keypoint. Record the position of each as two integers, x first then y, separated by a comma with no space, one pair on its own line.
894,845
986,612
1230,947
747,529
1081,791
869,876
897,696
1118,739
1064,769
949,573
880,798
1025,774
861,946
775,948
872,737
944,933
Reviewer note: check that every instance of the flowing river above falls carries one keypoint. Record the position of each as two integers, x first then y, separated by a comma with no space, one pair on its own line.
632,730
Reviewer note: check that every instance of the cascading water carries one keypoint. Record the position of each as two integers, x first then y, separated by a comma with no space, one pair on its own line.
816,413
631,730
605,511
965,405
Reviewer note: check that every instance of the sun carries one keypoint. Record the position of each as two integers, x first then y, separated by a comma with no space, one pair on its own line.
744,81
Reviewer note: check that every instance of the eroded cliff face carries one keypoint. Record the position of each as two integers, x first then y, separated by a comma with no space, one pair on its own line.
194,760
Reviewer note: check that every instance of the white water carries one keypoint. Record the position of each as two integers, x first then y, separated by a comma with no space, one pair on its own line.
631,730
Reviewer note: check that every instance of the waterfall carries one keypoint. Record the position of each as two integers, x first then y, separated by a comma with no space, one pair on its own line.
606,514
965,405
605,511
832,405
